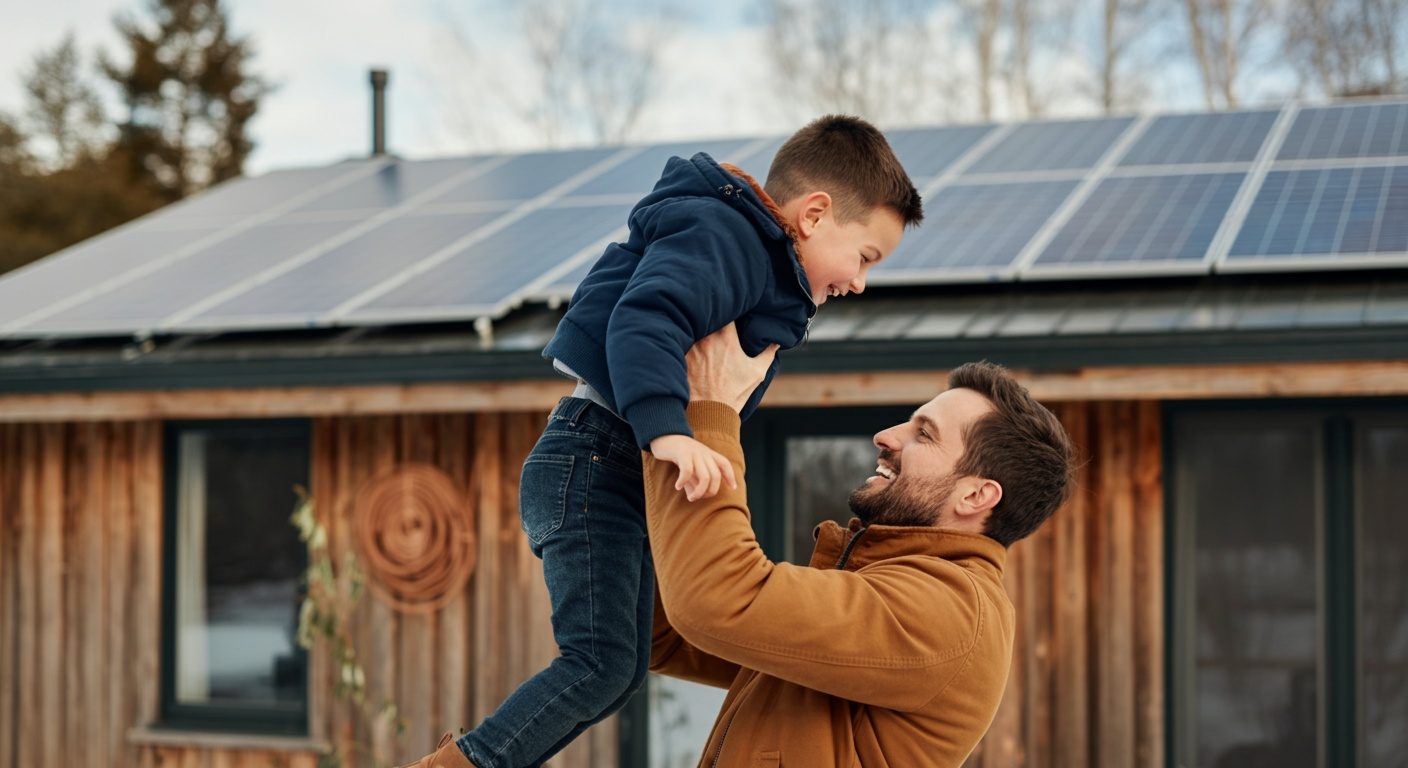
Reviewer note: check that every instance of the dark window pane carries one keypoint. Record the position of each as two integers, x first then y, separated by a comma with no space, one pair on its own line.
1383,594
821,473
238,563
1252,498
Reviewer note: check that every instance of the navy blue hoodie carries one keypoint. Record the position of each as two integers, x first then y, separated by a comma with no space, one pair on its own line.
703,250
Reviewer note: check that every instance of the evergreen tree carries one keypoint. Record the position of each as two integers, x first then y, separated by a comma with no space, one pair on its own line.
189,96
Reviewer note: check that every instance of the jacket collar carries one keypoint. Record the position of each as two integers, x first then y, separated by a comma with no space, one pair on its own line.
872,544
731,183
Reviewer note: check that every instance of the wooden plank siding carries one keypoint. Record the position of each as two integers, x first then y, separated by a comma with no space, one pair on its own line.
80,554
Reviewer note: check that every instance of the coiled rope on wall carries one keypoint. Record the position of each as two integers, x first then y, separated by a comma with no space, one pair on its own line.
415,534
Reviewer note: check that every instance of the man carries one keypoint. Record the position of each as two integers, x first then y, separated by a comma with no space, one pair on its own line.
893,647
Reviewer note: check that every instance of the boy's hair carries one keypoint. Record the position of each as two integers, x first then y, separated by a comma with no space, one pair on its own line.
850,160
1021,445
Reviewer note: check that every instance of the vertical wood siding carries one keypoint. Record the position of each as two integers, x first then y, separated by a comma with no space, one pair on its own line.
1087,685
80,554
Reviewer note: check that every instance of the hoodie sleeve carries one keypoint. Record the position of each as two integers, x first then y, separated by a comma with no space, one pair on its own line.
893,636
702,267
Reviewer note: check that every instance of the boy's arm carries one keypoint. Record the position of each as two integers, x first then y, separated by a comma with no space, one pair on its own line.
698,273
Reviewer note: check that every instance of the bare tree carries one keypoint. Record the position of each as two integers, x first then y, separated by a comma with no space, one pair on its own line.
1120,51
871,58
1346,47
1219,32
984,17
592,72
64,110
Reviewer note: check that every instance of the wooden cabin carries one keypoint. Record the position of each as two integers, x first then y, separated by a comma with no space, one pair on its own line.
1216,306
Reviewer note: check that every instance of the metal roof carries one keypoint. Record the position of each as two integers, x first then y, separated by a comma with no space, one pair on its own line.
1252,318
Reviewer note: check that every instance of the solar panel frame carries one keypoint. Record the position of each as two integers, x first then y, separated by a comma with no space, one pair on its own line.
139,306
302,296
17,327
416,202
1338,146
438,292
1071,145
1195,139
1319,132
958,204
1304,193
547,198
1176,222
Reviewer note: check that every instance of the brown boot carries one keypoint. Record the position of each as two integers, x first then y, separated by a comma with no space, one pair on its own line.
447,754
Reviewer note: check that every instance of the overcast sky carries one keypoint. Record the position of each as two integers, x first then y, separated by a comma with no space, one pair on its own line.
318,52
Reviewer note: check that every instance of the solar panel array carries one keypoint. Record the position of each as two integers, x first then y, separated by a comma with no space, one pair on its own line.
384,241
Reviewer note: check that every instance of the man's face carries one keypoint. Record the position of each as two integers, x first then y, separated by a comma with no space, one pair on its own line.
915,481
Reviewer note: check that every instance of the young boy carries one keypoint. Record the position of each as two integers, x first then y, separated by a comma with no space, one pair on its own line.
707,247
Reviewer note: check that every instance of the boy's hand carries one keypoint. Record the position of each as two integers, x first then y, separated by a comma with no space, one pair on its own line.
702,469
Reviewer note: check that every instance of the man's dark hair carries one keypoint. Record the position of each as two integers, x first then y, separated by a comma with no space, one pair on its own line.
1021,445
850,160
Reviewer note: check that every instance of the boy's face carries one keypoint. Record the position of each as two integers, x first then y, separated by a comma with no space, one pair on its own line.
838,257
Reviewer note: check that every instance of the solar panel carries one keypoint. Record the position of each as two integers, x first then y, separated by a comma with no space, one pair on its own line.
523,177
1343,212
637,175
1149,222
973,231
925,153
141,304
1348,131
390,186
386,240
243,197
491,271
1057,145
320,285
41,284
1232,137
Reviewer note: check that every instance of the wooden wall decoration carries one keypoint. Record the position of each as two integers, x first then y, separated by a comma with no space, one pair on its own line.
415,533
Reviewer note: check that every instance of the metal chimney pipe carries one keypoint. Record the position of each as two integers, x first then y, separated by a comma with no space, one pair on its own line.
378,79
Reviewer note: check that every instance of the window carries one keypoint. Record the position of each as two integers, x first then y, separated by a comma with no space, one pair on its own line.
232,577
1290,605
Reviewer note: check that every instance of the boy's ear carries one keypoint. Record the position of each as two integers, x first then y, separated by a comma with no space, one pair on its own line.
811,211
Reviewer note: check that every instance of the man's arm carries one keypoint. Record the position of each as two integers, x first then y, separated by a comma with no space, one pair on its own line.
890,637
671,655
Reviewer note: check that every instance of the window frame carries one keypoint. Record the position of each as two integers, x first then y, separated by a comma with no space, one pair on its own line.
1337,525
225,718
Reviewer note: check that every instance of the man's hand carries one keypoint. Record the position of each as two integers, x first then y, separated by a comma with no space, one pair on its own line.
702,468
719,369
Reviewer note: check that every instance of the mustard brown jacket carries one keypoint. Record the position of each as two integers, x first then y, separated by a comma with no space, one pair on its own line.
891,650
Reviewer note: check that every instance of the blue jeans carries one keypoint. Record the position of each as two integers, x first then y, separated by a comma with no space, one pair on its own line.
582,505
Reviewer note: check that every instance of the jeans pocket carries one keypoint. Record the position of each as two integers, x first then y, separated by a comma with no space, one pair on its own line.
542,494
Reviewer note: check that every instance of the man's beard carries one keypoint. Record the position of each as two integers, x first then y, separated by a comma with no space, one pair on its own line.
903,501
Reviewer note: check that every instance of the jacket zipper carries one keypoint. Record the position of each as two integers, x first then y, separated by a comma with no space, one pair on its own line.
719,751
850,545
722,737
728,190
